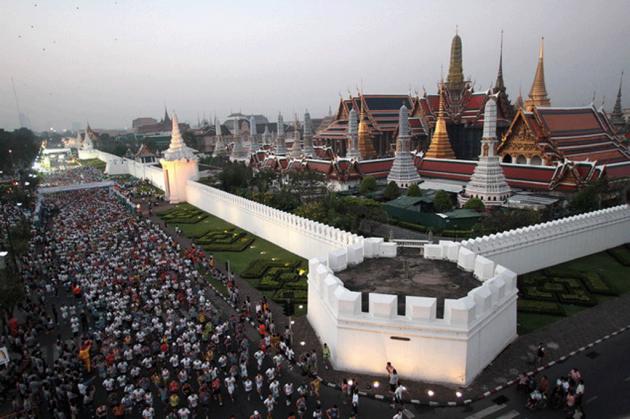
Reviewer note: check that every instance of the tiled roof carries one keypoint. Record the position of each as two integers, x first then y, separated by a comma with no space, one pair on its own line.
578,134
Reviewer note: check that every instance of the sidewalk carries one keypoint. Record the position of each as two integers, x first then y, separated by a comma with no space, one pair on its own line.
561,338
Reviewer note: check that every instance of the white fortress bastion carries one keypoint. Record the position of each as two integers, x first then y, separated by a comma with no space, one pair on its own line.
421,346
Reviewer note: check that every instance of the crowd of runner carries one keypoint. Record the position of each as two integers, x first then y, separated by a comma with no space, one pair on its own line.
77,175
117,321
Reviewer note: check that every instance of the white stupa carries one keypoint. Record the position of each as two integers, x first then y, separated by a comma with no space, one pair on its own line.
179,165
403,171
307,148
296,148
88,143
353,136
239,153
281,147
254,145
487,182
266,136
220,149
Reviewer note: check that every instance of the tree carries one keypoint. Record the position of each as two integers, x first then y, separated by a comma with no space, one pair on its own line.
392,191
590,198
475,204
368,184
442,201
235,176
23,146
509,219
414,190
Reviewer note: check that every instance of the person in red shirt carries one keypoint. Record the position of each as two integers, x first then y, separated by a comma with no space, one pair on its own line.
173,387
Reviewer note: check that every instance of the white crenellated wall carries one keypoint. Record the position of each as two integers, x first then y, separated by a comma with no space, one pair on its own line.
122,166
542,245
452,350
296,234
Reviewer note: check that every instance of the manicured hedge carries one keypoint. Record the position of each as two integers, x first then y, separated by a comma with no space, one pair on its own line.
258,267
578,297
540,307
237,246
533,293
596,284
296,296
621,255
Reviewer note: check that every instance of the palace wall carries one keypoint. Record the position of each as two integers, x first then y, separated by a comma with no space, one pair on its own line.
299,235
451,350
539,246
123,166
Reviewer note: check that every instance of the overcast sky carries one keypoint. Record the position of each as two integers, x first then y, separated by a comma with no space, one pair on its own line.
110,61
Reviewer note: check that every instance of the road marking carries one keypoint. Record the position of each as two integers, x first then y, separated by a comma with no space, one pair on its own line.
592,399
408,414
509,415
486,412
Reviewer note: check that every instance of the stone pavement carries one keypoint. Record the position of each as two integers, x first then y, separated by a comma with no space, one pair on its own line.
561,338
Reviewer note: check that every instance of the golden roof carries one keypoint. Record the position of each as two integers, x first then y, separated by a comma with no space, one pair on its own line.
366,148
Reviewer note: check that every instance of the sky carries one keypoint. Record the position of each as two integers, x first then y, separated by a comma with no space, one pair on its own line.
110,61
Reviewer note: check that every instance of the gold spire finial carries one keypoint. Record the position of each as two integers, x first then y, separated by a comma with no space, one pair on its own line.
538,93
455,78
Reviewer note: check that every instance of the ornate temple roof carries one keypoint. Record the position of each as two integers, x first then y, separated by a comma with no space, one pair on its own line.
576,134
381,113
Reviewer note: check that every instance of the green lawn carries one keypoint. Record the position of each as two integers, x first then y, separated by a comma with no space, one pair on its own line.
260,248
196,225
96,163
615,275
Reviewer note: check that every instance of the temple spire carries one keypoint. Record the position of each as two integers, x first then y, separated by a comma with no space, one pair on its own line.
440,147
538,93
455,78
403,171
352,136
616,115
488,181
499,85
177,149
366,148
308,149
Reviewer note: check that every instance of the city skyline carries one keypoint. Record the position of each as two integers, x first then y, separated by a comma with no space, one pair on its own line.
115,61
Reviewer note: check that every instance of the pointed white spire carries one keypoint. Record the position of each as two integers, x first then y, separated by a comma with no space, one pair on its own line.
88,144
253,135
403,171
266,137
353,136
239,153
296,148
308,149
220,149
177,149
487,182
281,148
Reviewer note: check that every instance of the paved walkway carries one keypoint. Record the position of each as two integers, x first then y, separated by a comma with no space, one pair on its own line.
561,338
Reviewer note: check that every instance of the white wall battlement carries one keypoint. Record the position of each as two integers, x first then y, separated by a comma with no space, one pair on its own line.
452,349
299,235
542,245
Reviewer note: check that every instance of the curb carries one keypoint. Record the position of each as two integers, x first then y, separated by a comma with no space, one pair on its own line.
465,402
